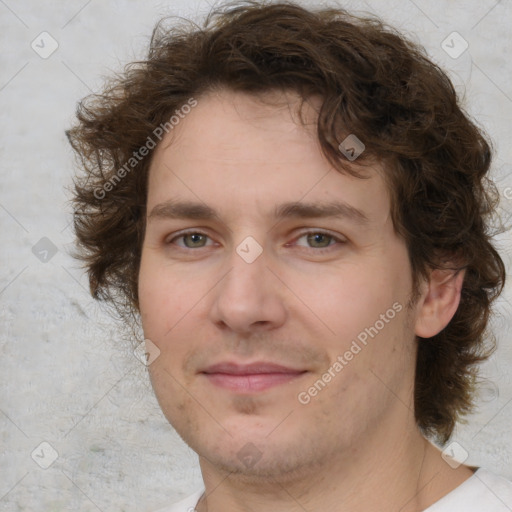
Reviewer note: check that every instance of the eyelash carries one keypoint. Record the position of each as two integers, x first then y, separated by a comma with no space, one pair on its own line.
333,238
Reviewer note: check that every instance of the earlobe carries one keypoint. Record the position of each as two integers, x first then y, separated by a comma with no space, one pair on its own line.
439,302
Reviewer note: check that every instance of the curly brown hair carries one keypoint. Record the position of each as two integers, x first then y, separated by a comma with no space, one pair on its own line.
373,82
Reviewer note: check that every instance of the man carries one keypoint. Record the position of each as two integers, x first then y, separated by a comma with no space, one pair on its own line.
296,207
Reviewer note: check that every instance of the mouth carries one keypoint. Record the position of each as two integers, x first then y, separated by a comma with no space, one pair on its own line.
248,378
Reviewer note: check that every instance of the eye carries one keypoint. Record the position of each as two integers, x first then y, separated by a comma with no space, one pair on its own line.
318,240
191,240
310,240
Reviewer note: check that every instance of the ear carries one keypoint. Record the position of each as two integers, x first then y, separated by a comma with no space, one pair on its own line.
439,302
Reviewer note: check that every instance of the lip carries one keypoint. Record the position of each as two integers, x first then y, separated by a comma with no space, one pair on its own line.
233,368
247,378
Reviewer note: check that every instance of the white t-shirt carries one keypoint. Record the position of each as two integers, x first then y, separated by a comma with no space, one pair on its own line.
482,492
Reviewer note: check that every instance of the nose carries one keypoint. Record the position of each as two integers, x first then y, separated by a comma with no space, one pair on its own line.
250,298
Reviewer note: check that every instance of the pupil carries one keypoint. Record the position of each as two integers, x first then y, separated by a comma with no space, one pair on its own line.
320,239
195,238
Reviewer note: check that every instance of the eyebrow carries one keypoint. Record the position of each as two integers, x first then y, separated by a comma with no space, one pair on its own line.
173,209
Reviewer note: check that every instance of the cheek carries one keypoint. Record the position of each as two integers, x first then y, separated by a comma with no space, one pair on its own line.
164,297
151,302
347,300
169,388
170,303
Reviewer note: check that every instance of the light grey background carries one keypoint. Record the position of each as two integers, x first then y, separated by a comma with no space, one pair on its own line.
68,377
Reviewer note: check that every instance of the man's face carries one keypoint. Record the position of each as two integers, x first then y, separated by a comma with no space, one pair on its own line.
320,284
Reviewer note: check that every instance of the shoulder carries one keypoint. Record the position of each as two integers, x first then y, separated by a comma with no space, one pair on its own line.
484,491
188,504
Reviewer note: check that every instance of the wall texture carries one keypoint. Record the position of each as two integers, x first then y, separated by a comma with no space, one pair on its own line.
69,378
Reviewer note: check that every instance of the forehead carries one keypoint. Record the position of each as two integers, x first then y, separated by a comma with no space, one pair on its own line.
236,151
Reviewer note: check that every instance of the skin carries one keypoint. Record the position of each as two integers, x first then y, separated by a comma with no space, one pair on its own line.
355,446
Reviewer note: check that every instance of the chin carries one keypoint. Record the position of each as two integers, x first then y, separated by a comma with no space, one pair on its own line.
257,465
260,450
